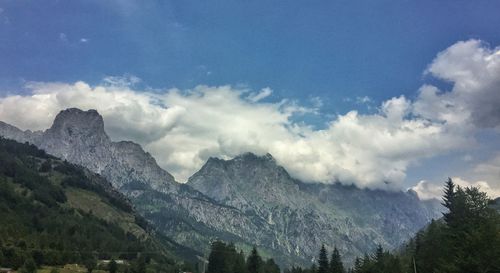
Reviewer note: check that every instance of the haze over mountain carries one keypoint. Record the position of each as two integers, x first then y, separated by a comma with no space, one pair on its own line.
249,199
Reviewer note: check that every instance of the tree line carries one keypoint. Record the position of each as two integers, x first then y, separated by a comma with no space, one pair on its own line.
224,258
466,239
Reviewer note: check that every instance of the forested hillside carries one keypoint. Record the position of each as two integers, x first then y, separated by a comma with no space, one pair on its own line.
55,213
466,239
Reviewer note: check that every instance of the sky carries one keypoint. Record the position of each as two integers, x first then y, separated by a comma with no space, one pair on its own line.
382,94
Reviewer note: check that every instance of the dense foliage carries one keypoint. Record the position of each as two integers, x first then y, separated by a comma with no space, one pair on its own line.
39,227
467,239
224,258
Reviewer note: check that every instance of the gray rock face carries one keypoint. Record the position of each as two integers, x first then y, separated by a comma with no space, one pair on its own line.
249,200
79,137
300,217
12,132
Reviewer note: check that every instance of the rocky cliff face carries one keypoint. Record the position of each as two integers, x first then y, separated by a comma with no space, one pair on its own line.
249,200
79,137
300,216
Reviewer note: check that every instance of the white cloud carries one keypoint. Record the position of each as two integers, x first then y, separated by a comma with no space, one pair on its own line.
482,185
264,93
182,128
474,71
489,170
427,190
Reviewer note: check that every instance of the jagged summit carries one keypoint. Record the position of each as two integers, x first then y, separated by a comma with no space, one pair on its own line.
79,137
74,121
245,181
246,160
247,163
247,156
252,156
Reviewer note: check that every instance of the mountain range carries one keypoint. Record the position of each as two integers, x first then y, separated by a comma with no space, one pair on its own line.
249,200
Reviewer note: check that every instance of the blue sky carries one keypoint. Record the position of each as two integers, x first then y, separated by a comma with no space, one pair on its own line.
336,51
332,49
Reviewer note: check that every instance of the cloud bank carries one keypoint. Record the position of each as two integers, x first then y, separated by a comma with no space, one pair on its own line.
182,128
427,190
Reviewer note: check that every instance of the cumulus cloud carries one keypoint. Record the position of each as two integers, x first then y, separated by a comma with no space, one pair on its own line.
182,128
474,71
482,185
427,190
489,170
486,174
128,114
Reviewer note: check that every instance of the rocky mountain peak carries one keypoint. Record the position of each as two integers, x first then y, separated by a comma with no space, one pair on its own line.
244,165
79,137
74,121
248,156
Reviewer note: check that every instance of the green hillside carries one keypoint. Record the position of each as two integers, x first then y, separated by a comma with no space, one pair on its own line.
55,213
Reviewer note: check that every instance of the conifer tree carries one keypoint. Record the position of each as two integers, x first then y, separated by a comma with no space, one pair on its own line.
323,266
271,267
254,262
448,199
314,268
239,263
357,265
336,265
217,258
449,193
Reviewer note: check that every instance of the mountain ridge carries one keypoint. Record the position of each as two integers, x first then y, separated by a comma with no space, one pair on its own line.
235,200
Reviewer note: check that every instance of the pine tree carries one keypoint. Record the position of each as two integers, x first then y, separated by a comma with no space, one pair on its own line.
217,259
449,193
271,267
239,263
314,268
357,265
336,265
448,200
254,262
366,263
323,260
379,259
